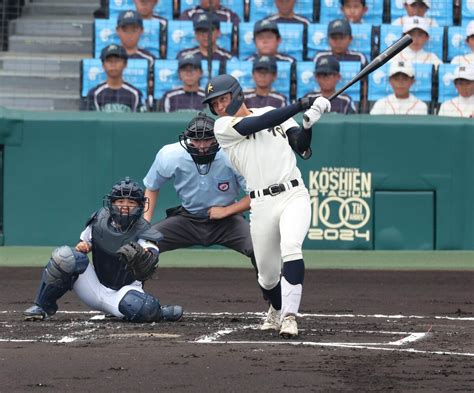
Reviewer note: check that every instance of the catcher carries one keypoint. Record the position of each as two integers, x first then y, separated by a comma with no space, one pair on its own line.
124,254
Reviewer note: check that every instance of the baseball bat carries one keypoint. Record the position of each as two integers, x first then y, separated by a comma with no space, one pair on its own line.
379,61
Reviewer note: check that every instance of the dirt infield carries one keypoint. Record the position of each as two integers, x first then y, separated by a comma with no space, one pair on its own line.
360,331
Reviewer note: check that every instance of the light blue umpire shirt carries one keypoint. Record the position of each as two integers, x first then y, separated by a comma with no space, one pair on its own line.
220,187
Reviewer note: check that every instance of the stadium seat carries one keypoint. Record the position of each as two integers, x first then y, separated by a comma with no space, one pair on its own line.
318,41
441,11
235,5
456,42
331,9
291,34
166,75
164,8
467,11
389,34
104,34
242,70
380,87
181,36
306,82
92,74
260,9
446,89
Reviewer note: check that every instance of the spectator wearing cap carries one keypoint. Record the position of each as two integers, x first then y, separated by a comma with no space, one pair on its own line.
189,96
327,74
417,8
354,10
264,73
401,102
463,104
114,95
146,8
202,23
419,30
286,14
468,58
267,39
340,38
129,30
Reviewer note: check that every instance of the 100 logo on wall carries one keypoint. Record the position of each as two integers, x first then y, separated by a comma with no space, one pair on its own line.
340,199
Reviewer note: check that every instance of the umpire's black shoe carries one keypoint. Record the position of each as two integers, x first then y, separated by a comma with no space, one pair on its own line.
171,313
35,313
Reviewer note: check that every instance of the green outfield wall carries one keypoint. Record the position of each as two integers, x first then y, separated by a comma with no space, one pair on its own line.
377,182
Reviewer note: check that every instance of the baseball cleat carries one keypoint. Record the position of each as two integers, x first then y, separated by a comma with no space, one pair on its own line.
272,321
172,313
289,327
35,313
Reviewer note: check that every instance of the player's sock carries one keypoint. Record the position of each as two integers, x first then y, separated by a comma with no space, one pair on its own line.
291,287
273,295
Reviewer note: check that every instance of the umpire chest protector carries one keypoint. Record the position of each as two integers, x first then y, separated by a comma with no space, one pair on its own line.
105,243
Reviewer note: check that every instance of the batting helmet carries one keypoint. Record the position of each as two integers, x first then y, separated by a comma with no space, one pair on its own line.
200,129
223,84
126,188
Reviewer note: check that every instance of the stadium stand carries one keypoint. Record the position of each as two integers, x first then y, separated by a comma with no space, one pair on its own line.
242,71
164,8
379,86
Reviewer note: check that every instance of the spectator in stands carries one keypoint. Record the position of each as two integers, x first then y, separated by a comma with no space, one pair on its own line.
223,14
415,8
286,13
189,96
463,104
469,57
129,29
354,10
419,31
340,38
267,39
401,102
264,73
201,24
114,95
146,9
327,73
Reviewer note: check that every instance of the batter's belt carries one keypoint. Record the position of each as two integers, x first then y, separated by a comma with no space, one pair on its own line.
275,189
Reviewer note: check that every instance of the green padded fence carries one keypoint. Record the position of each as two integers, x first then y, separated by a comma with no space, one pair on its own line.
375,182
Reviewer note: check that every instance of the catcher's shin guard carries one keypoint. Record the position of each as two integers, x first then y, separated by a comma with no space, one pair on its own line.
142,307
58,277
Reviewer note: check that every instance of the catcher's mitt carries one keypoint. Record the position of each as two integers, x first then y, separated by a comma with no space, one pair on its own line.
141,262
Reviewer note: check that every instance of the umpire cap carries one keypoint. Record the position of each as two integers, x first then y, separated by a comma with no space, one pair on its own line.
223,84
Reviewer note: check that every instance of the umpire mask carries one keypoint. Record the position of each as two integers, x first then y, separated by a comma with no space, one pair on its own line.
125,217
199,141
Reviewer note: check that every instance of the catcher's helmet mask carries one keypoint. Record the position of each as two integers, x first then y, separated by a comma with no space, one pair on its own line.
223,84
200,128
124,219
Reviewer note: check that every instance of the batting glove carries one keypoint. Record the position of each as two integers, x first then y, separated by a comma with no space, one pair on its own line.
312,115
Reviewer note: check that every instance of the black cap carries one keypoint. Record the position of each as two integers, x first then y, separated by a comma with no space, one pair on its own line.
113,50
327,65
202,21
265,25
265,63
129,17
339,26
190,59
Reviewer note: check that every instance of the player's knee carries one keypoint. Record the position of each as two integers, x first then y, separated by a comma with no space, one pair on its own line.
65,263
140,307
268,282
293,271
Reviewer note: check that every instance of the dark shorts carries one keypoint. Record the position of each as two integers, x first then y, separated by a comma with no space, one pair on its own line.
181,229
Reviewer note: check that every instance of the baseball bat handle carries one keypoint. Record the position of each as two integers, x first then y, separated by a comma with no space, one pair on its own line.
379,61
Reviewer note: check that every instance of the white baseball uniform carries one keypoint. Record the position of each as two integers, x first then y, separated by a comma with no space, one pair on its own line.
278,224
405,19
463,59
420,56
458,107
392,105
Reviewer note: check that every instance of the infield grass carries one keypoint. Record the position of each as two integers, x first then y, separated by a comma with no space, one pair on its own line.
314,259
